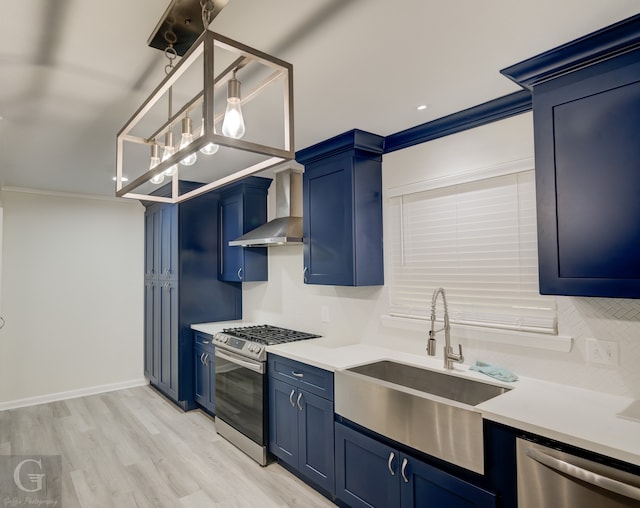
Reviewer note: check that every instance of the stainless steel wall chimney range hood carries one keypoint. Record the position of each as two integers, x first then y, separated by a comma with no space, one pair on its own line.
286,228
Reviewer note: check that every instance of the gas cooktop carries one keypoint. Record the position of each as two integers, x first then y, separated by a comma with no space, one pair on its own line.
250,341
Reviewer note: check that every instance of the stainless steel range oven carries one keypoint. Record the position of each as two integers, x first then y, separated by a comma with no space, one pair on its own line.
241,384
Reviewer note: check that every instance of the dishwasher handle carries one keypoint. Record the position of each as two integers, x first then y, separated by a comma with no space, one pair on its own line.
604,482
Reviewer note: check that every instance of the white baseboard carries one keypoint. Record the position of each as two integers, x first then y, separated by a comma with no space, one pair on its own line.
72,394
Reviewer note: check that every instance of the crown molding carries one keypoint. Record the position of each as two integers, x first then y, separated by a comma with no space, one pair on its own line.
609,42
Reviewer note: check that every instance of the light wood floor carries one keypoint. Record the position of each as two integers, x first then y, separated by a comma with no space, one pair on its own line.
132,448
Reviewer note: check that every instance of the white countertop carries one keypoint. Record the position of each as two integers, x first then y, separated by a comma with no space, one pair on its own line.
583,418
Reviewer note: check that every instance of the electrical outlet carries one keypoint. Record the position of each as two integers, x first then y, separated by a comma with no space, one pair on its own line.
603,352
324,314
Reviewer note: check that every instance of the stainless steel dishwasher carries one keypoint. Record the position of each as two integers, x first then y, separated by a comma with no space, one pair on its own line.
552,478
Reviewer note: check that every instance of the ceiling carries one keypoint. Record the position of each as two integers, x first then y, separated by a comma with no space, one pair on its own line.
73,71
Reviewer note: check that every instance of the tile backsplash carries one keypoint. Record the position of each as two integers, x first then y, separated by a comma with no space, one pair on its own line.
608,319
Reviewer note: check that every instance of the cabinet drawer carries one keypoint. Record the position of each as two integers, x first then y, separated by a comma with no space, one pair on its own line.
203,340
313,379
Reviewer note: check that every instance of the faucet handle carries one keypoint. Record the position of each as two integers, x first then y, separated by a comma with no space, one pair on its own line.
431,345
461,356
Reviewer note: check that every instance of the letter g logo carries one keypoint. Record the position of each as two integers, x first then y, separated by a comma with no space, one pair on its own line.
33,478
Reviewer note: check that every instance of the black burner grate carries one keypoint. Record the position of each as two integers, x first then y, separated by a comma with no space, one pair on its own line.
268,335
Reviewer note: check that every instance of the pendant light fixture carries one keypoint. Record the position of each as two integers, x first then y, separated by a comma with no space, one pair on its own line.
212,62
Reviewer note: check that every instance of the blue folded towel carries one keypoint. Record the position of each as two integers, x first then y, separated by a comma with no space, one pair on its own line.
494,371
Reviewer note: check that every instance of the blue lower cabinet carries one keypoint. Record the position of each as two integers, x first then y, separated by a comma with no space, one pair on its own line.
301,432
426,485
315,443
372,474
366,470
204,382
283,422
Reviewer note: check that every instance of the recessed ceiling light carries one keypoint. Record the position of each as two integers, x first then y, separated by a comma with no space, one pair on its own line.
421,107
124,179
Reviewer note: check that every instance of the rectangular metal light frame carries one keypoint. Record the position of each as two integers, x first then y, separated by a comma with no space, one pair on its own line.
205,44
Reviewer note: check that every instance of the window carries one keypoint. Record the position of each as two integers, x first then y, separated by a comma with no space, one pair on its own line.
478,241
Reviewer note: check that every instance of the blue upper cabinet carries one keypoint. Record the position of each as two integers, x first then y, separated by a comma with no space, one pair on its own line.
586,108
243,207
342,201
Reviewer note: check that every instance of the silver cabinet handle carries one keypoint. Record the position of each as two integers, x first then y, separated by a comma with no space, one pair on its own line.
404,470
202,358
304,273
297,374
390,463
240,273
293,404
604,482
298,401
248,364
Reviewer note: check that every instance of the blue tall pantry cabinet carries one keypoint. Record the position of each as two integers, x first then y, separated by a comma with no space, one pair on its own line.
182,288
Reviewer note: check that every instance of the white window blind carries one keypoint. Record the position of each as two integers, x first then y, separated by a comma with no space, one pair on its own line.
478,241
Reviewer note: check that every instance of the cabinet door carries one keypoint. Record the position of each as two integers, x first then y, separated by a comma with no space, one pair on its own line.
241,210
367,472
168,326
425,486
328,221
152,242
168,242
201,381
316,443
204,390
151,330
231,258
283,422
588,183
210,364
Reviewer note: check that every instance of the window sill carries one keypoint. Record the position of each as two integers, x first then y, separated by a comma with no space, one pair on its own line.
559,343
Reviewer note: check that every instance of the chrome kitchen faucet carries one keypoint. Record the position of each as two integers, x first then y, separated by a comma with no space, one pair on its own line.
449,355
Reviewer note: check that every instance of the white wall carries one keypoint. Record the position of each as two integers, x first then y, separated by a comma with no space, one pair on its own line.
355,313
72,296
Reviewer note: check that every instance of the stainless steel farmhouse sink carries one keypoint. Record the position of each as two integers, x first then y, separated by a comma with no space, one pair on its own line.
430,411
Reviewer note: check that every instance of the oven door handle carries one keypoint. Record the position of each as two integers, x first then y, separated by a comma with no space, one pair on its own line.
257,367
604,482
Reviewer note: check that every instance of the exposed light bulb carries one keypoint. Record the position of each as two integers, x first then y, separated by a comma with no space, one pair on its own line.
155,160
187,138
211,148
233,124
168,151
